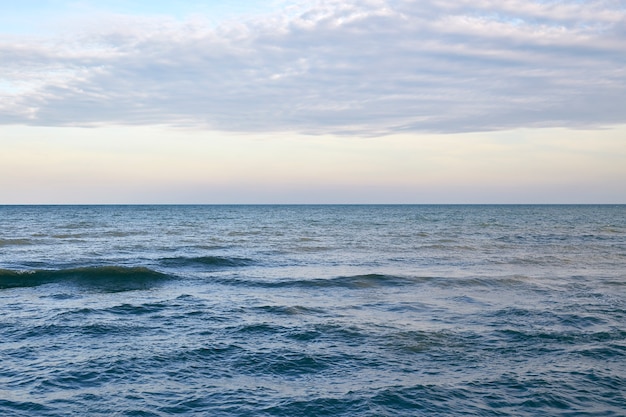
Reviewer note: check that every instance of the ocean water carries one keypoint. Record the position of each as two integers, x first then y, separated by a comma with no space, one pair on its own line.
313,310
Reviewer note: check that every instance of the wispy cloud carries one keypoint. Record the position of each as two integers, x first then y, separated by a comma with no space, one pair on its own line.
350,67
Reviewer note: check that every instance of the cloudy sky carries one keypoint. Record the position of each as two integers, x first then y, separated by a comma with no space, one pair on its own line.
319,101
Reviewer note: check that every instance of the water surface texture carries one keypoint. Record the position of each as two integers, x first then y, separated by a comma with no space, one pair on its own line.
312,310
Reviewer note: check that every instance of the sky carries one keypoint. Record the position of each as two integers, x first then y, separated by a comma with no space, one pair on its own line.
322,101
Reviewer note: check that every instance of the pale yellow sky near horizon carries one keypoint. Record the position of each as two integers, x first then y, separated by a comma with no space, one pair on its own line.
157,164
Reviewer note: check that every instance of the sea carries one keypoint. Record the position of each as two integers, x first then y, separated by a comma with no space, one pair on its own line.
313,310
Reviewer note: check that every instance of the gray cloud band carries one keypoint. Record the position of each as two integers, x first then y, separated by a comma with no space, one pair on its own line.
349,67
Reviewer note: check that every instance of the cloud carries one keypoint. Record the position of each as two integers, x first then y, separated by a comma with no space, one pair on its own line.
366,67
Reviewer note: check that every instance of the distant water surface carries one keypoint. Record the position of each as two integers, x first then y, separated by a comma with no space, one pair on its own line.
313,310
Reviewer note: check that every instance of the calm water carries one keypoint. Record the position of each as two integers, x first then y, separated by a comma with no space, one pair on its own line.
312,310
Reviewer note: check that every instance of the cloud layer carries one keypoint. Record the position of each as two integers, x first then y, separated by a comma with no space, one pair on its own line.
366,67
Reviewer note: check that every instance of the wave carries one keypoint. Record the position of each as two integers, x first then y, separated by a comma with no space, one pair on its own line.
206,261
371,281
290,310
357,281
14,242
70,236
349,282
107,278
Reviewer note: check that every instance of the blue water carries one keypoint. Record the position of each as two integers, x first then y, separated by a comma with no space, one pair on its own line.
312,310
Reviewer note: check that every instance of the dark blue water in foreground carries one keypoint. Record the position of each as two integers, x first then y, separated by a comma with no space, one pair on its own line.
313,310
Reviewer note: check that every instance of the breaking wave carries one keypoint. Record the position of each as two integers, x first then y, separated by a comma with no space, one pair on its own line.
108,278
